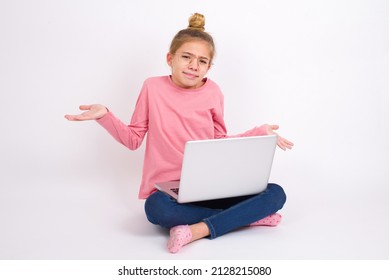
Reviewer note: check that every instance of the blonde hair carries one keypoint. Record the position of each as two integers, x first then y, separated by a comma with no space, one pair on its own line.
194,32
197,21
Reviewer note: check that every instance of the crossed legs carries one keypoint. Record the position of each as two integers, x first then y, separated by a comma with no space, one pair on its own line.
193,221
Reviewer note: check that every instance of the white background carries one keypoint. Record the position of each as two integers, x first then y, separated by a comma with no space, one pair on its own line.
319,69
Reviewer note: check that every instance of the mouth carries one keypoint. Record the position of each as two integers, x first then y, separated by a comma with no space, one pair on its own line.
190,75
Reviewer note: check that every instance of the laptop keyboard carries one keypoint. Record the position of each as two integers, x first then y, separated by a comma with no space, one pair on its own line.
175,190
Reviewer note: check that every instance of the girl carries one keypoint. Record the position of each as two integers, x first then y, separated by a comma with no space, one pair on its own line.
173,110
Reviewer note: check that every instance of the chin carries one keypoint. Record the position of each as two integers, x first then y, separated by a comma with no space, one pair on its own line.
190,84
194,86
194,83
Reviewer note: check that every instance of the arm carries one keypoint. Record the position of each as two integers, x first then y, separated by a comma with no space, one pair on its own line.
266,129
130,135
92,112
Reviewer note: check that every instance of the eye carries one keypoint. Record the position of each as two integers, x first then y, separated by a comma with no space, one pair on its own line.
186,57
204,62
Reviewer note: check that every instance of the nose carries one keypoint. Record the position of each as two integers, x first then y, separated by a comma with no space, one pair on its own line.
194,64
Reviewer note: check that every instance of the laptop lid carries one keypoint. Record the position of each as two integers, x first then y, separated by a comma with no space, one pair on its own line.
228,167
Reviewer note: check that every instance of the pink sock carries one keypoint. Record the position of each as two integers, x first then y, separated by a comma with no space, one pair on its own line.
179,237
271,220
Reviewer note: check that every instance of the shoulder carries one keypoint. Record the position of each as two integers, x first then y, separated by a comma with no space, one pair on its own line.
153,85
159,80
155,88
213,87
212,84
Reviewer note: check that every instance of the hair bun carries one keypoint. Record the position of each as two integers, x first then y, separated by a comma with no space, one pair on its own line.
197,21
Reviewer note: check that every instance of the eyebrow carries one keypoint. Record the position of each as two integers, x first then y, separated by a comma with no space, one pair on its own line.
191,54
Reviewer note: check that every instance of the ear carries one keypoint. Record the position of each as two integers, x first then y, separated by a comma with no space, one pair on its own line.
169,58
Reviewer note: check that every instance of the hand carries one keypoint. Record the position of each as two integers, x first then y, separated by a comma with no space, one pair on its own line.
93,112
281,142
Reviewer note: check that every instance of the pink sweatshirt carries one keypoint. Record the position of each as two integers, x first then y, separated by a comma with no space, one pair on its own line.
172,116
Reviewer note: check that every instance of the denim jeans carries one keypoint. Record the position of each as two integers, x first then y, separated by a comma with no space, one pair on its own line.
221,216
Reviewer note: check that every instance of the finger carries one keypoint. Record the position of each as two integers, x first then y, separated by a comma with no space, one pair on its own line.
281,146
288,145
80,117
274,126
71,117
284,144
85,107
287,142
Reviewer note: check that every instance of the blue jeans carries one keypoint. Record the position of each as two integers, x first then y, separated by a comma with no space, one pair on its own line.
221,216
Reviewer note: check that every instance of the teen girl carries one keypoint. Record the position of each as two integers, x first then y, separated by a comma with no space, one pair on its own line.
173,110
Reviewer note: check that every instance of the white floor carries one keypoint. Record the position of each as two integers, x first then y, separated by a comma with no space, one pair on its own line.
64,215
319,69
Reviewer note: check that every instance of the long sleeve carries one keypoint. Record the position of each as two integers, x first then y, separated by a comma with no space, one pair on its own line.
171,116
131,135
256,131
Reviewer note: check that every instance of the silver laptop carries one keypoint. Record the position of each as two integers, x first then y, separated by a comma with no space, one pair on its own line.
221,168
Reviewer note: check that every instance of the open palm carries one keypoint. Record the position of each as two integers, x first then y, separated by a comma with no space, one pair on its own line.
281,142
92,112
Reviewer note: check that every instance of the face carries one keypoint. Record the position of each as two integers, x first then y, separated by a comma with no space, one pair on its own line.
190,64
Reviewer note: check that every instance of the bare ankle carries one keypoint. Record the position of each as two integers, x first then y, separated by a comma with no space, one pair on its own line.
199,230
